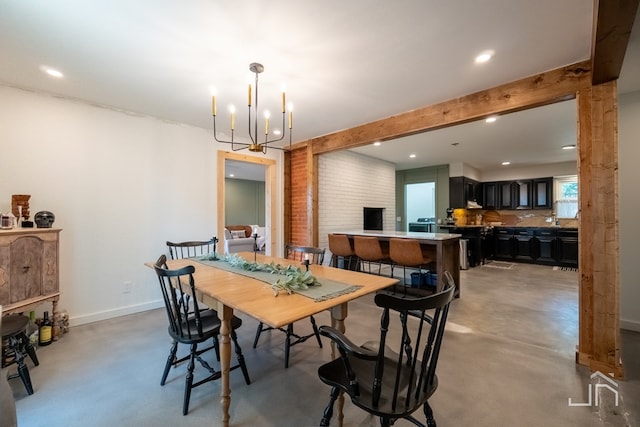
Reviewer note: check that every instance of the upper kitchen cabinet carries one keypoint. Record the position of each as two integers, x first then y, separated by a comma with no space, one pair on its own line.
463,190
519,194
490,192
542,193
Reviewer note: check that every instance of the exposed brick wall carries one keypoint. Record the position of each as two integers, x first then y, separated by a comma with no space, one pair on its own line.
298,215
348,182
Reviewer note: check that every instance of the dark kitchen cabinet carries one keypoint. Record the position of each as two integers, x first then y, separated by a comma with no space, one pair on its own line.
538,245
542,193
524,244
505,191
567,247
463,189
503,243
490,193
521,194
546,245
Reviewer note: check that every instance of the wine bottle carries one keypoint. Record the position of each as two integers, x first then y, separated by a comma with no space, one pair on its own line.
32,330
45,330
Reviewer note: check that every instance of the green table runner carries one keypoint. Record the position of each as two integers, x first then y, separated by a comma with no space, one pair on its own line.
328,288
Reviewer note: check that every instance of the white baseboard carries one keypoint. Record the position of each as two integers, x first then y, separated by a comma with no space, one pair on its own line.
631,325
110,314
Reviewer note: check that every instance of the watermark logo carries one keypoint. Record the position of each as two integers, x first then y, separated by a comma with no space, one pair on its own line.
603,382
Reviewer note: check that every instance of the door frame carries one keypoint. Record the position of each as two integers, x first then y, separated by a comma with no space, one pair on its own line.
269,197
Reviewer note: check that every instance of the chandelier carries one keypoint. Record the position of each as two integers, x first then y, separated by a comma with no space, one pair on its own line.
255,145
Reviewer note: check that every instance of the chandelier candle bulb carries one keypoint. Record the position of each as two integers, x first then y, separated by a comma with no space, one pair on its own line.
252,143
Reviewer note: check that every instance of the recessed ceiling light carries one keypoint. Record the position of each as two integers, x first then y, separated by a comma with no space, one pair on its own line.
412,156
231,175
484,56
491,119
51,71
377,143
569,147
506,163
277,132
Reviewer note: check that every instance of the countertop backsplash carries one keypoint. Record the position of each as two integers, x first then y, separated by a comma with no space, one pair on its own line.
517,218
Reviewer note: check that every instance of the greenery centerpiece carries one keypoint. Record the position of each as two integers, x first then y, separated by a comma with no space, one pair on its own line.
294,278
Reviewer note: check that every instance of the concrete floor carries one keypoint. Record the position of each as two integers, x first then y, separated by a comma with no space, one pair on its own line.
507,360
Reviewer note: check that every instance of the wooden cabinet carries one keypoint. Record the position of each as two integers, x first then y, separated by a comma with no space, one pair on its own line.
29,269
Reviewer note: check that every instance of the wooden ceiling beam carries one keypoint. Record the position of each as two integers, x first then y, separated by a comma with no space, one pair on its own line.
612,24
534,91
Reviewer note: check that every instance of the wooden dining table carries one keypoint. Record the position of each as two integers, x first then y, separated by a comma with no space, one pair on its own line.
227,291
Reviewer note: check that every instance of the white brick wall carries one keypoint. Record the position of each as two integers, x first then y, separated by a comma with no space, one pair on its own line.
347,182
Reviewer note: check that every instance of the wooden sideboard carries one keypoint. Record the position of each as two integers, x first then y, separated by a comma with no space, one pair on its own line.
29,272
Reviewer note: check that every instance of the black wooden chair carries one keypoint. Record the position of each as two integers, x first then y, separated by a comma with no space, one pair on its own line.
190,325
192,249
394,377
302,254
179,250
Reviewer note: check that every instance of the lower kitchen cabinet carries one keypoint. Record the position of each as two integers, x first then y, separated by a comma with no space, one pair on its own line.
524,245
503,243
538,245
567,247
546,242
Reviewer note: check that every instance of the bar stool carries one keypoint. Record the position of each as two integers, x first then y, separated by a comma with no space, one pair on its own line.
13,330
407,253
341,248
369,250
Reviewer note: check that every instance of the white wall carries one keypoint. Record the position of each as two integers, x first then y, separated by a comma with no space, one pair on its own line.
120,185
629,176
347,183
511,173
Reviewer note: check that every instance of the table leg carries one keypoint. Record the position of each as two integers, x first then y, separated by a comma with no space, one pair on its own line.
338,314
225,313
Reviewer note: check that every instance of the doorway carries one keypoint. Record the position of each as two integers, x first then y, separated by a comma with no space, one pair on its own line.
269,198
420,206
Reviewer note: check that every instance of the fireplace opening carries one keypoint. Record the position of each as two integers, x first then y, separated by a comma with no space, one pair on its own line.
372,219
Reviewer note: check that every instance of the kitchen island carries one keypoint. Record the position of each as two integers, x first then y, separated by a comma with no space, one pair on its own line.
444,248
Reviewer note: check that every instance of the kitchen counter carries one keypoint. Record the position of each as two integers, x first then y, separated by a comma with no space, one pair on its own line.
444,248
400,234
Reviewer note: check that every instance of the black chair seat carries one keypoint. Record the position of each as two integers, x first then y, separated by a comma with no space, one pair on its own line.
333,374
210,326
13,331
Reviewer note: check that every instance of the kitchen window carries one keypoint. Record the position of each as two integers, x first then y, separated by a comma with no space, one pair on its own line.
566,196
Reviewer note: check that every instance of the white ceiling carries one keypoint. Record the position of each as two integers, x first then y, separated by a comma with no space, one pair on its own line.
344,63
